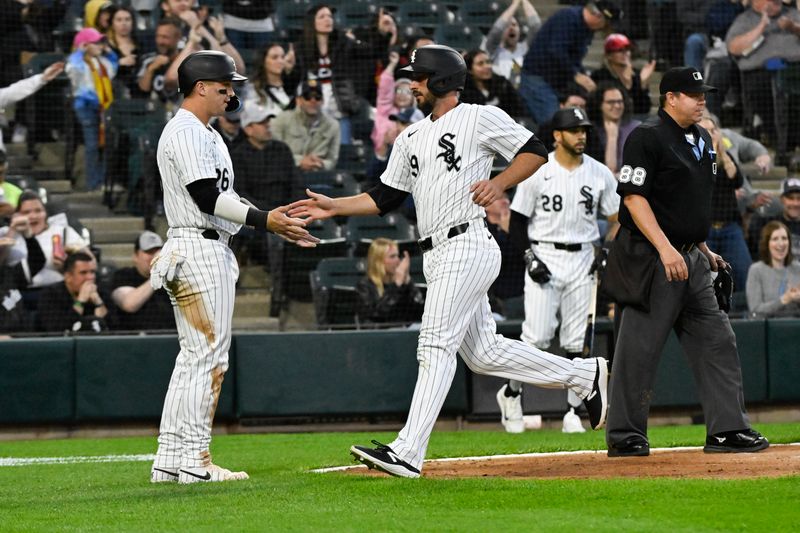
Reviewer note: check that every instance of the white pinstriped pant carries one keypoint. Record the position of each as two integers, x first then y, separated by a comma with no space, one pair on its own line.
568,293
202,298
458,318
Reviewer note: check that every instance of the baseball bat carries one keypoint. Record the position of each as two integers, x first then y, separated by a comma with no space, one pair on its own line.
588,338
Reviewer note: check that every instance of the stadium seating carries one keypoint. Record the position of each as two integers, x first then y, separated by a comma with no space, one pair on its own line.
289,18
334,183
333,284
290,281
351,15
426,16
460,37
361,231
480,13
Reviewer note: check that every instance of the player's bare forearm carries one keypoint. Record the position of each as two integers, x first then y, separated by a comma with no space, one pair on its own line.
674,265
318,206
522,167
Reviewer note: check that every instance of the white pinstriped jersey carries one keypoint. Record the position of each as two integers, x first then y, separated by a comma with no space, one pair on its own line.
437,161
562,204
188,151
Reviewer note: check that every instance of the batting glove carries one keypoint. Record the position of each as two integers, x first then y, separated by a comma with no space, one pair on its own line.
600,261
536,268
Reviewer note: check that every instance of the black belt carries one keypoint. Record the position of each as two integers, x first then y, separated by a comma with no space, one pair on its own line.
213,235
427,243
685,248
570,247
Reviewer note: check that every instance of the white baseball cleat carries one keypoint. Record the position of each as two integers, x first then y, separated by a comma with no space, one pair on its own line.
163,474
510,411
210,473
572,423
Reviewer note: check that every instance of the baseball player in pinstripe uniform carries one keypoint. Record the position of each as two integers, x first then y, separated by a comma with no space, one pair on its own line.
554,219
445,161
196,266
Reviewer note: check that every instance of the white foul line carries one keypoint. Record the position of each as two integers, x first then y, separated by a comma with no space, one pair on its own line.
30,461
522,456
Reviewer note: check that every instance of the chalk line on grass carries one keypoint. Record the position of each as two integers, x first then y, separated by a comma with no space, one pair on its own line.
31,461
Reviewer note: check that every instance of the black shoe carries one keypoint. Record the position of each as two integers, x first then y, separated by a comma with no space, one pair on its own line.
630,447
741,441
597,401
383,458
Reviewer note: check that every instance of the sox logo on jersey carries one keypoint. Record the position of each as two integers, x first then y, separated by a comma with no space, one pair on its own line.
449,152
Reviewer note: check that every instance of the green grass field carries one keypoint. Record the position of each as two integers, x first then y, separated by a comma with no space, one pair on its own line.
282,496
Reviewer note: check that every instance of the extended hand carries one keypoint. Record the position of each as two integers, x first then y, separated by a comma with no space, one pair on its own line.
315,207
291,229
53,70
485,192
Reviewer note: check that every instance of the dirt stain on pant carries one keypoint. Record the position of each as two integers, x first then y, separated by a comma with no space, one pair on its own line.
217,375
190,303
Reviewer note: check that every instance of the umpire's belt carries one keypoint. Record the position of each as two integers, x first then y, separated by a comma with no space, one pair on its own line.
427,243
685,248
194,233
570,247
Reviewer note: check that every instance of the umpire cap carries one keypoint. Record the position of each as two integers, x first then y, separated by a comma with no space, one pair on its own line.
445,68
207,65
684,80
569,118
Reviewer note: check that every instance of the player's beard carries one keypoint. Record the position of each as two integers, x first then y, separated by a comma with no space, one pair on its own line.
574,150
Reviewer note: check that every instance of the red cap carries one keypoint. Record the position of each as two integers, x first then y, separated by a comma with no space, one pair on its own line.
616,42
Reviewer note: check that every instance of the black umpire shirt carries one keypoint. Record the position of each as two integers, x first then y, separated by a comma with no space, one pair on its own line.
660,165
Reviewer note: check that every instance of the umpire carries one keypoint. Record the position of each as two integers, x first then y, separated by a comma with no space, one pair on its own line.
659,272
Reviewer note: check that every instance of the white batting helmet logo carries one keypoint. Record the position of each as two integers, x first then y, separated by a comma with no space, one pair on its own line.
697,76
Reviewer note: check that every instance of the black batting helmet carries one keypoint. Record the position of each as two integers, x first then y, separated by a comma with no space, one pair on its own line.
444,66
208,65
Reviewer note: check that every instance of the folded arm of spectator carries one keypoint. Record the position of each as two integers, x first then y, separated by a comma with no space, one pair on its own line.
131,299
738,45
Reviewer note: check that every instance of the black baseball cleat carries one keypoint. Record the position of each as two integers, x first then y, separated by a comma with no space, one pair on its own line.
597,401
384,459
631,447
740,441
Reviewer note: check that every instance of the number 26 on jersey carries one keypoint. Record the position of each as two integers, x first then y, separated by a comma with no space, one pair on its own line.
634,175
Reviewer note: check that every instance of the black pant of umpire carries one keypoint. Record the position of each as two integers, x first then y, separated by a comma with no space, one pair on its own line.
690,308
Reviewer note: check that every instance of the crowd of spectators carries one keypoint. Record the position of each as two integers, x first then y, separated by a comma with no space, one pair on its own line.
314,90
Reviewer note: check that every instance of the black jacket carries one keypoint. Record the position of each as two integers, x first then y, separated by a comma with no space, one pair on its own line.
402,304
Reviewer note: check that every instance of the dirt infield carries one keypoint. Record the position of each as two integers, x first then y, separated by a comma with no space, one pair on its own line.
776,461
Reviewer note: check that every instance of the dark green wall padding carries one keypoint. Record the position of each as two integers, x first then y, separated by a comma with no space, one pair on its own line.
344,372
369,373
37,383
127,377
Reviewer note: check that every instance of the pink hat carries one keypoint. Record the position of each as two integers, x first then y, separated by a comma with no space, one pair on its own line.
87,35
